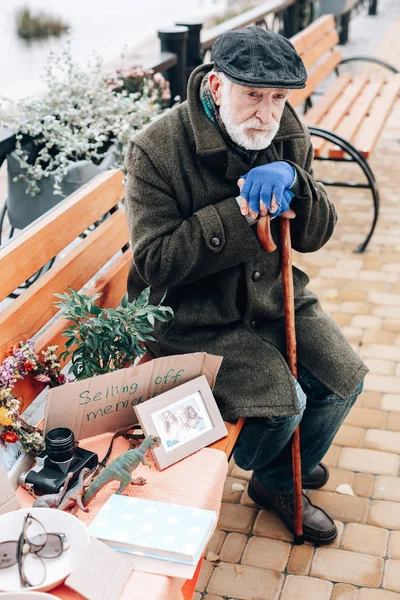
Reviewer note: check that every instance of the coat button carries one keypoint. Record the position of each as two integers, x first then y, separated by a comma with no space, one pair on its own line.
256,275
215,241
253,324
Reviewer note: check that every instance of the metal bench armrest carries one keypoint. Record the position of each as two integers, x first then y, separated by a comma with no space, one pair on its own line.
371,59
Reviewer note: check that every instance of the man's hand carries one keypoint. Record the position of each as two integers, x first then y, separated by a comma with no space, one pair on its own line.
245,210
266,189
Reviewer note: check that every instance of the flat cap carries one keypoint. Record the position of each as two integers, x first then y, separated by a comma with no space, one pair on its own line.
258,58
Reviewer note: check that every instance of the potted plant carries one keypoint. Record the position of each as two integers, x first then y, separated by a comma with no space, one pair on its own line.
79,127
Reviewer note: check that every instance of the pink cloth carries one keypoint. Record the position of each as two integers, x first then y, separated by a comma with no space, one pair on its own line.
198,481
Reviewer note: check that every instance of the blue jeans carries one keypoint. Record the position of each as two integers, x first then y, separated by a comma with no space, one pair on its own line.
264,445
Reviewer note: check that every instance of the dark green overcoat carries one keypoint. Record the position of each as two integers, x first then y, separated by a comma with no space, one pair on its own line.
189,238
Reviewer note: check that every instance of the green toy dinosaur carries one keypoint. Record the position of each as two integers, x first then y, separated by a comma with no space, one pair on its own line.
120,469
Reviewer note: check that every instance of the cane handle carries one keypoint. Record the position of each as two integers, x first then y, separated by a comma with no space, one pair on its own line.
264,234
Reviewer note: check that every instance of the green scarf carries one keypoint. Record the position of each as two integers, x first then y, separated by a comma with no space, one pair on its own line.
211,109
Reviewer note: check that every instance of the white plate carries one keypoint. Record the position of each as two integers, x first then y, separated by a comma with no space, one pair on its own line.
26,595
57,569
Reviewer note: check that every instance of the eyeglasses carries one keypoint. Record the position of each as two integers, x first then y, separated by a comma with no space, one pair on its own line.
33,545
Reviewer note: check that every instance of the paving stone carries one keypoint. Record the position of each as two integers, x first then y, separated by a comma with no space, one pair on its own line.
380,350
251,584
366,322
241,473
363,484
336,542
340,506
384,514
344,591
365,539
388,441
391,402
300,560
266,553
216,541
391,580
368,461
233,547
365,594
337,477
198,596
205,574
268,524
394,545
387,488
382,299
332,456
380,366
366,417
236,517
371,399
393,421
230,495
296,587
347,567
210,597
373,336
350,436
381,383
246,500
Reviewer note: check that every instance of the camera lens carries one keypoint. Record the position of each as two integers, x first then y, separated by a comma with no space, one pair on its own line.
60,444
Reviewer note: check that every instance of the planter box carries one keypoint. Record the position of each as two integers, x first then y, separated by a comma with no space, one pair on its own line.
23,208
335,7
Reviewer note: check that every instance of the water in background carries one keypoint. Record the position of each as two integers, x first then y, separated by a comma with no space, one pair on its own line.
107,26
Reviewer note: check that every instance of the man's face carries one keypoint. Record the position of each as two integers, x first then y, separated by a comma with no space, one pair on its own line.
251,115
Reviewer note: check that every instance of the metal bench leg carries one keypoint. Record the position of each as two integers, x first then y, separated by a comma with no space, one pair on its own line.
373,5
358,158
344,27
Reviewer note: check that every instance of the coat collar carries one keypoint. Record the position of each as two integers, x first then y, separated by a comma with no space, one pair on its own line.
211,145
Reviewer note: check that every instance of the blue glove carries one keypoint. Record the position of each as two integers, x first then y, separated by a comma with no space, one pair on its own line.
261,182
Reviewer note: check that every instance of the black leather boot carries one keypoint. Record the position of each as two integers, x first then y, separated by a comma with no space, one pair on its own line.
317,479
318,527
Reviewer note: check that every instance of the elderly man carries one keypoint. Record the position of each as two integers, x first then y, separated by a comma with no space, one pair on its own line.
197,179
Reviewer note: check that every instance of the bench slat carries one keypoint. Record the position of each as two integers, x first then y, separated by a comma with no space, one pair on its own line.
35,307
45,238
314,115
310,36
227,443
340,109
112,285
372,125
329,41
351,124
320,73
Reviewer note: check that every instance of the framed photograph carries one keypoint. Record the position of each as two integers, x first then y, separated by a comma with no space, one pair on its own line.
186,418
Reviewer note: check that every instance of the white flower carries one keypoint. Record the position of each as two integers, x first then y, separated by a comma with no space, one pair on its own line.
127,517
193,530
169,538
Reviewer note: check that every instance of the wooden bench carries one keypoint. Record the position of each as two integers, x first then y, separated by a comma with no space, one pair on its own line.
33,313
347,119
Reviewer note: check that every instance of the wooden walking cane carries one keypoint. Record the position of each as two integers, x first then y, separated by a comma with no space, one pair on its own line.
267,242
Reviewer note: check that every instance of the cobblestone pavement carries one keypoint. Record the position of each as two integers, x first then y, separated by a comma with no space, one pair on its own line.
257,560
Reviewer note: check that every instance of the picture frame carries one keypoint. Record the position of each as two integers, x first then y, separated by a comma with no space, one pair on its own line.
186,418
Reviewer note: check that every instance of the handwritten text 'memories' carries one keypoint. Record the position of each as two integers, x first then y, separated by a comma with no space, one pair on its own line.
123,393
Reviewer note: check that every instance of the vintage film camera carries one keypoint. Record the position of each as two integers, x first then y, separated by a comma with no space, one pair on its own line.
62,456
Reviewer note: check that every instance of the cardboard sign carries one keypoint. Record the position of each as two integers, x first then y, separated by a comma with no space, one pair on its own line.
8,499
105,403
102,573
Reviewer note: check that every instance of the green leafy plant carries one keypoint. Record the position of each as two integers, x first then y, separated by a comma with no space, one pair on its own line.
101,340
39,25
